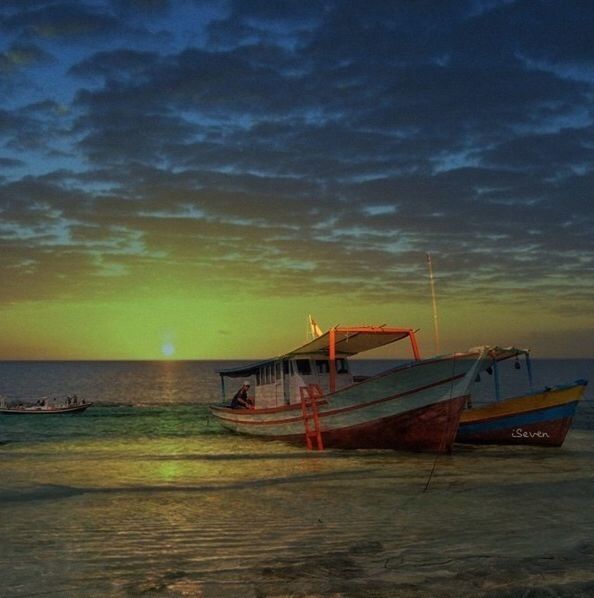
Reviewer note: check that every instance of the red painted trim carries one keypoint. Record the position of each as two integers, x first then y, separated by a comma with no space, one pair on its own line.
372,329
282,408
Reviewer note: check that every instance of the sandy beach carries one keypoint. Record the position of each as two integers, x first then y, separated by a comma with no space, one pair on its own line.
153,498
196,517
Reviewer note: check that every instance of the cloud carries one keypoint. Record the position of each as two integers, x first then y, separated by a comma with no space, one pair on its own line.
321,147
60,20
547,31
144,7
19,56
10,162
563,152
38,127
80,23
122,62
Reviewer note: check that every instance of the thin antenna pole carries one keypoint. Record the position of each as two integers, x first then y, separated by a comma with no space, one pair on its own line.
435,322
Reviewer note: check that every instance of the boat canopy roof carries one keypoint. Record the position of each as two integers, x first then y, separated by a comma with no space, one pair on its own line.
245,371
348,341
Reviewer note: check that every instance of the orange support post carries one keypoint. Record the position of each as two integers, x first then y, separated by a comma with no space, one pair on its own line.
415,347
332,360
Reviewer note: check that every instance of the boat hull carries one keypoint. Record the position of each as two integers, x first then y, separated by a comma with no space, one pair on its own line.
537,419
429,429
416,407
41,411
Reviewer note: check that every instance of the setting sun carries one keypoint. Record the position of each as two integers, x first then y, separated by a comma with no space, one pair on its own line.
168,349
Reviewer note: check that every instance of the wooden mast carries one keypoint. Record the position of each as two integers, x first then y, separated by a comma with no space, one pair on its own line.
435,322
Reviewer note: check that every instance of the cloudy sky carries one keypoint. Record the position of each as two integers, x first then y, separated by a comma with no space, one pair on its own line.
192,178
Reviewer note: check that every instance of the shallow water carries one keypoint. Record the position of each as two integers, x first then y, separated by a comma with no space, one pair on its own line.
145,494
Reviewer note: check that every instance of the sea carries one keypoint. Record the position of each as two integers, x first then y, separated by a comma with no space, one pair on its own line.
144,494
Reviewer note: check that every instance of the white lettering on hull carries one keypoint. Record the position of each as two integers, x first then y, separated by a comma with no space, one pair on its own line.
519,433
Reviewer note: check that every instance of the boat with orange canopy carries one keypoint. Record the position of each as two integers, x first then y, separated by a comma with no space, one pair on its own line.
309,395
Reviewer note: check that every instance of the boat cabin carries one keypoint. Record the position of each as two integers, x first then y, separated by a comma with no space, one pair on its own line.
323,361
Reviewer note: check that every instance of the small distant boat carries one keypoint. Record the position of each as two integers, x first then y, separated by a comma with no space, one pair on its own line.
310,395
538,418
43,407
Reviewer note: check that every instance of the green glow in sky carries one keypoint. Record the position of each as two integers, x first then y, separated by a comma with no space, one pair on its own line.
186,180
186,328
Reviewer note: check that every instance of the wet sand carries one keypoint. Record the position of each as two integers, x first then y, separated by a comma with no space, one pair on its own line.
228,516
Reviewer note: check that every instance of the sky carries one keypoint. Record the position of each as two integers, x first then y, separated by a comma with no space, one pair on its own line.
190,179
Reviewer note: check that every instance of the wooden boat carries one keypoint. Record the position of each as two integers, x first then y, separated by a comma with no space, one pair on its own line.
46,409
310,394
540,418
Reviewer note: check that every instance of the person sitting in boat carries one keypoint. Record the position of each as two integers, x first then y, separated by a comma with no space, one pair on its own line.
240,398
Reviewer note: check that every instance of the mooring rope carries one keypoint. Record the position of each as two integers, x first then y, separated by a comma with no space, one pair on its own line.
445,430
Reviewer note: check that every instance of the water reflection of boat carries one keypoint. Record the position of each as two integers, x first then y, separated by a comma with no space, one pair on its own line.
310,394
540,417
44,407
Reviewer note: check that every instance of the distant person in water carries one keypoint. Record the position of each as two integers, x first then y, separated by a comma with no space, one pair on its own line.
240,399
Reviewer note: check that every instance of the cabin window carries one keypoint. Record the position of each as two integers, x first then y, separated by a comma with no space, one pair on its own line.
277,370
258,377
322,366
303,367
268,374
286,367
